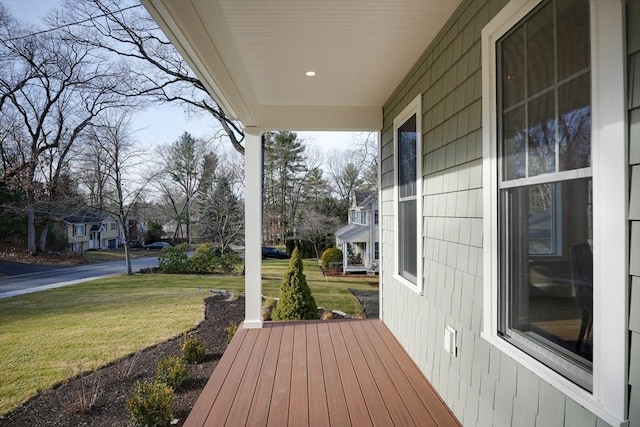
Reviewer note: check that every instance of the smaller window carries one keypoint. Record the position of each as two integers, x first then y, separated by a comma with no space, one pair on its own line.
114,226
375,216
408,206
78,230
376,250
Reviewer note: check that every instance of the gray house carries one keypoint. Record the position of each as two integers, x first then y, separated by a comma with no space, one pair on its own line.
509,181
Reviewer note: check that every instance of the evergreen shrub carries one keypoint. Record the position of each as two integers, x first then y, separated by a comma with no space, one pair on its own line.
172,372
228,261
295,301
204,259
174,259
331,255
192,349
151,404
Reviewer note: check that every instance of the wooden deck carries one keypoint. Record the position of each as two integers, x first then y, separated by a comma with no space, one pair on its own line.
318,373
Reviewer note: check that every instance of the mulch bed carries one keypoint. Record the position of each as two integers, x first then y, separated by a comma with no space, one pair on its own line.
369,301
58,405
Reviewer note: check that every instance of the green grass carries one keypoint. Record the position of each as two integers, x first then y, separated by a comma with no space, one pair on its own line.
46,336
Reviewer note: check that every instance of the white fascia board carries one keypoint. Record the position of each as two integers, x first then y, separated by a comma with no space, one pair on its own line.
321,118
212,57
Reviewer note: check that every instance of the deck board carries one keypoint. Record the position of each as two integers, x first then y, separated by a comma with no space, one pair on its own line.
378,408
279,409
318,373
262,396
239,411
387,344
318,410
299,398
358,411
336,400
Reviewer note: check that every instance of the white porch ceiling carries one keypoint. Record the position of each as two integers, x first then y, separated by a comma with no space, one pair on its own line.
253,55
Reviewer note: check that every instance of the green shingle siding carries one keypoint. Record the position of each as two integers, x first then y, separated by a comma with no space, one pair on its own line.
482,385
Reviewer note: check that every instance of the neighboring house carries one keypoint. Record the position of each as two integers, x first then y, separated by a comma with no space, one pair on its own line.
509,179
359,240
137,232
88,230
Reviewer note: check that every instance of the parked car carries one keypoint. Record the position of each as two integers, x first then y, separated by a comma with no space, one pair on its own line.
269,252
157,245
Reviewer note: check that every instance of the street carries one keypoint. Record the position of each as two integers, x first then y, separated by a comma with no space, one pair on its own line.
48,277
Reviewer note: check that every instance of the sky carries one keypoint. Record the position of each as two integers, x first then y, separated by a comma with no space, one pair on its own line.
163,124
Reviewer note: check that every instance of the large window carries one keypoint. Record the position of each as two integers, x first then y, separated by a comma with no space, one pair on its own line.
544,144
555,195
407,150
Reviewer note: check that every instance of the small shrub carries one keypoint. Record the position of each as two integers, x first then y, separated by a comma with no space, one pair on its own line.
172,372
228,261
267,307
86,394
331,255
295,301
327,315
126,366
151,404
174,259
192,349
231,331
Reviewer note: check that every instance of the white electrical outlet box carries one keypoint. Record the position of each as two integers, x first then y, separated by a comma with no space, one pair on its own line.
450,340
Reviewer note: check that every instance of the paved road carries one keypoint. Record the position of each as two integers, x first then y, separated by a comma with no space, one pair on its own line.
55,277
10,268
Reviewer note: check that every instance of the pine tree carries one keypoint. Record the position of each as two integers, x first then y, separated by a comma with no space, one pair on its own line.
295,301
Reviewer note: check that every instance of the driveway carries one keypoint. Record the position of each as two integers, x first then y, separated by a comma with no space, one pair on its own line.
46,277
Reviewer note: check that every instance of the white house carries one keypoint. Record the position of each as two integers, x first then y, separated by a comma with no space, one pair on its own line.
359,239
87,230
509,179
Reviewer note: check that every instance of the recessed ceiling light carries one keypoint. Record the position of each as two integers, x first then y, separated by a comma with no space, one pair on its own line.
310,73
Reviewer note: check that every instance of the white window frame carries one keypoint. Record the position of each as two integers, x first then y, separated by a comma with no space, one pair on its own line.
414,107
77,228
608,400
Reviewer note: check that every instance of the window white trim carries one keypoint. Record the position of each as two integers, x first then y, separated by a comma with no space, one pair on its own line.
79,230
608,400
414,107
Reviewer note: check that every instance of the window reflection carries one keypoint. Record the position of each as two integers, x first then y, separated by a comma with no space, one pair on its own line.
553,291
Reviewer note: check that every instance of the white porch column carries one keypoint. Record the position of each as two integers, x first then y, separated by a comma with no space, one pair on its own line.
253,227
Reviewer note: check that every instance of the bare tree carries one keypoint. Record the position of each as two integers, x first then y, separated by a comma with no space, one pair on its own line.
158,72
355,168
120,157
93,170
317,228
51,90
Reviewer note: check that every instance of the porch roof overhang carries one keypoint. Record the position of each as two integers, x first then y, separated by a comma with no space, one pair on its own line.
252,55
352,233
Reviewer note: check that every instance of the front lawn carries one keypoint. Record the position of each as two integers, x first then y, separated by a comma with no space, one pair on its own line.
47,336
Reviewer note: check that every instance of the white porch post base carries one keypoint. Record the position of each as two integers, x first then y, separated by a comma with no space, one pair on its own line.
253,228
